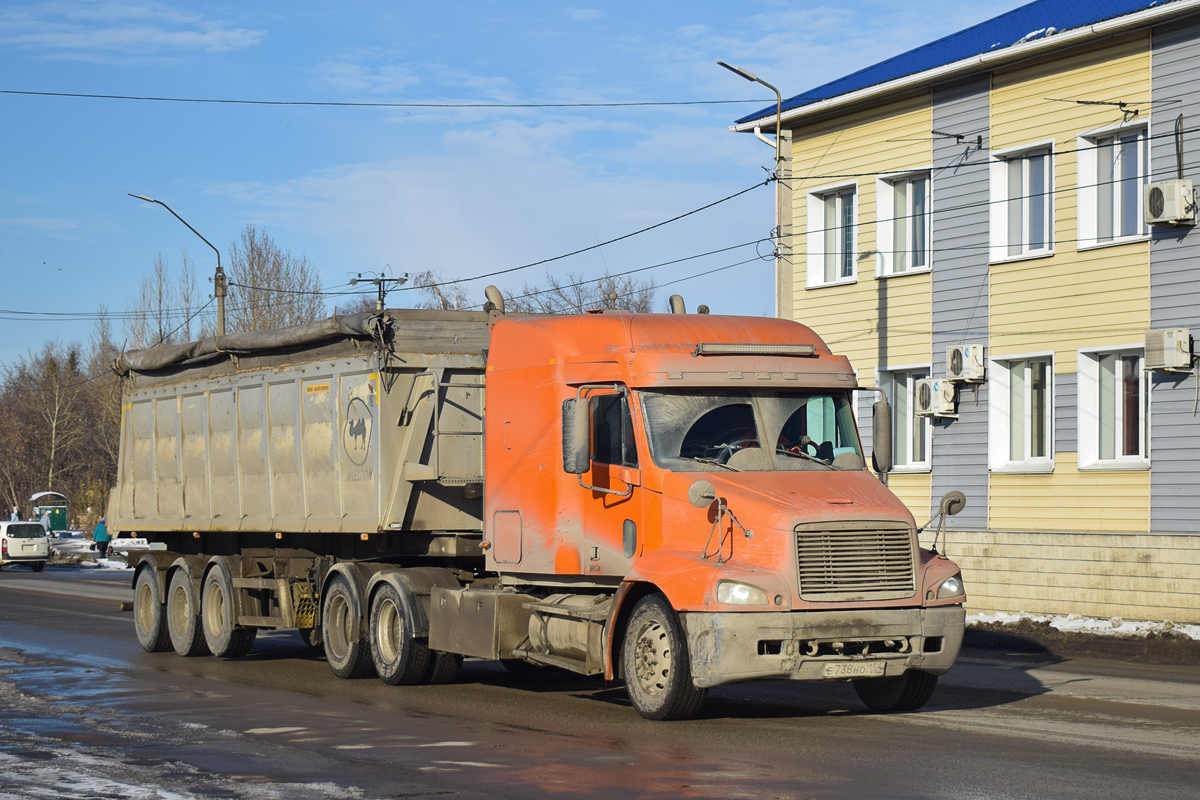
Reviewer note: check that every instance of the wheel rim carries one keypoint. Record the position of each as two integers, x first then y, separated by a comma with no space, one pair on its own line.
337,638
388,631
180,608
214,610
652,658
145,606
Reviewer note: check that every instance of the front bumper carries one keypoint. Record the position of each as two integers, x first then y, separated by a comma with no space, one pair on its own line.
726,647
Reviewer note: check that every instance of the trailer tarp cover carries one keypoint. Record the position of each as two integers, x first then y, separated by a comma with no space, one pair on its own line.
368,326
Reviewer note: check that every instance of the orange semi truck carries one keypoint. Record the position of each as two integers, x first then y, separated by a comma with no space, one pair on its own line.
676,501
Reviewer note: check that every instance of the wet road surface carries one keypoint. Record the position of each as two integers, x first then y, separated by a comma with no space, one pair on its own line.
85,713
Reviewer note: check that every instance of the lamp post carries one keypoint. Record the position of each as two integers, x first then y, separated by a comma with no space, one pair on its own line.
219,284
750,76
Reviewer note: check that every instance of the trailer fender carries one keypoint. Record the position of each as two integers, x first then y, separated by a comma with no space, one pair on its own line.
414,585
353,573
159,561
193,567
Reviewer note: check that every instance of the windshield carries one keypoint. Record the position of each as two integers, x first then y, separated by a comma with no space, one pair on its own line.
29,530
693,431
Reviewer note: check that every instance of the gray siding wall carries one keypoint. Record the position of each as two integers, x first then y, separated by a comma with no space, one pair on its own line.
1066,413
1175,282
960,288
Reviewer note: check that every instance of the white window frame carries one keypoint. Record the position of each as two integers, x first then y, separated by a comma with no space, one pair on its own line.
1090,189
1000,420
815,236
885,208
886,377
1001,203
1088,366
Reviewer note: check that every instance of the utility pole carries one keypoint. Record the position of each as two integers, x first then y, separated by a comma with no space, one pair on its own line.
381,286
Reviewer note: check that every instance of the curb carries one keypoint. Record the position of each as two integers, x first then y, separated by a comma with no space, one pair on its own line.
1155,648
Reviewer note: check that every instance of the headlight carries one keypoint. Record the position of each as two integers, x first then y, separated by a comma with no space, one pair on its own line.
951,587
740,594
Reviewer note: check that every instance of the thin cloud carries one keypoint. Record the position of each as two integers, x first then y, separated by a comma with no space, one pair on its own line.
584,14
67,28
41,224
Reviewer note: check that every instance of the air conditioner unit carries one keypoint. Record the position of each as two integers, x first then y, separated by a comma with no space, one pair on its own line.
1170,203
935,398
1169,348
965,362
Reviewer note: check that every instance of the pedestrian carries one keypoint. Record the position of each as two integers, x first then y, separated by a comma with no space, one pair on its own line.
15,516
101,537
45,520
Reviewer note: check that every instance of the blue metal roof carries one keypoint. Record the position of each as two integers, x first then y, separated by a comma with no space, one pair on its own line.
1029,22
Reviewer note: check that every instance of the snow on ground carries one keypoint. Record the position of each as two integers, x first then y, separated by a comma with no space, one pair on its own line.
75,548
1074,623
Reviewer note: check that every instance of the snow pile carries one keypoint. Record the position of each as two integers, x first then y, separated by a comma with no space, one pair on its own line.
1074,623
74,548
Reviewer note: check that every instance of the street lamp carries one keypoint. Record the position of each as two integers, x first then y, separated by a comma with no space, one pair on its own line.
218,279
750,76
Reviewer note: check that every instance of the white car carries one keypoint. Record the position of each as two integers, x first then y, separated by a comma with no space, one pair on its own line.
24,543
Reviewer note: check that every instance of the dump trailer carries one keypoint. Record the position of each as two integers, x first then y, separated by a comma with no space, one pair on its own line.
675,501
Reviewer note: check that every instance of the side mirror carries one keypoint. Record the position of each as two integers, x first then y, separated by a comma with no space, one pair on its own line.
881,436
952,503
576,436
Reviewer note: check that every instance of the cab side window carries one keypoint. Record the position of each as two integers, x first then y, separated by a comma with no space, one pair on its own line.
613,441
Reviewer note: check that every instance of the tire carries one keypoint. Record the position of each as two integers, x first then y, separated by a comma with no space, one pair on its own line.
443,667
218,605
183,616
311,637
341,620
149,613
399,658
38,566
906,692
657,668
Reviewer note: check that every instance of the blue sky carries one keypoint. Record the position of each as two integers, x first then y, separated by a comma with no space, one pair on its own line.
460,191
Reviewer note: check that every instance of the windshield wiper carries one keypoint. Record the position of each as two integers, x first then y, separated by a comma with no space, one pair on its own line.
804,455
713,461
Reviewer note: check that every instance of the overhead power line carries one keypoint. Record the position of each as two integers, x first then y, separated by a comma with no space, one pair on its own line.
339,104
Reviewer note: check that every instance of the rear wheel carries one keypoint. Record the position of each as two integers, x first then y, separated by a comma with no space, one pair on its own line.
37,566
906,692
398,657
341,620
658,673
218,607
443,667
149,614
183,616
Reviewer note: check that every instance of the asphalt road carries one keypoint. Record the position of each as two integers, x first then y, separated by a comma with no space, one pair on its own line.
85,713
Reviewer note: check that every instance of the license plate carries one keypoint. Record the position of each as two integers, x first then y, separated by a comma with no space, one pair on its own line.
854,669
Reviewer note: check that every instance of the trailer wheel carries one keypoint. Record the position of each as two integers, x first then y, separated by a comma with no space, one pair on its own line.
341,618
906,692
218,605
443,668
399,657
183,616
658,673
149,614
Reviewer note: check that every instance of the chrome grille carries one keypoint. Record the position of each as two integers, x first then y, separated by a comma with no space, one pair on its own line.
845,563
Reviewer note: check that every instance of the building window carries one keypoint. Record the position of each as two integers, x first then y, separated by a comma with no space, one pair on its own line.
911,434
1021,406
903,244
1113,170
1114,419
1022,207
832,236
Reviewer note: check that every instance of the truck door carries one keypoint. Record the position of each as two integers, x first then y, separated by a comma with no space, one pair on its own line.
612,494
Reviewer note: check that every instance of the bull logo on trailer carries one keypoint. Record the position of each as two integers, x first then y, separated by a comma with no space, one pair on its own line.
356,431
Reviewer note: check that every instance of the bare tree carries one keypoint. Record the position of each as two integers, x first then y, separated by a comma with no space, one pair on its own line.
575,294
166,307
436,294
269,287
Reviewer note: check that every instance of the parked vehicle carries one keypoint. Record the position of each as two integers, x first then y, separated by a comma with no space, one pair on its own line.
677,501
24,543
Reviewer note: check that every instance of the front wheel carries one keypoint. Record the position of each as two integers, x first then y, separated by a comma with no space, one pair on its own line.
658,673
906,692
